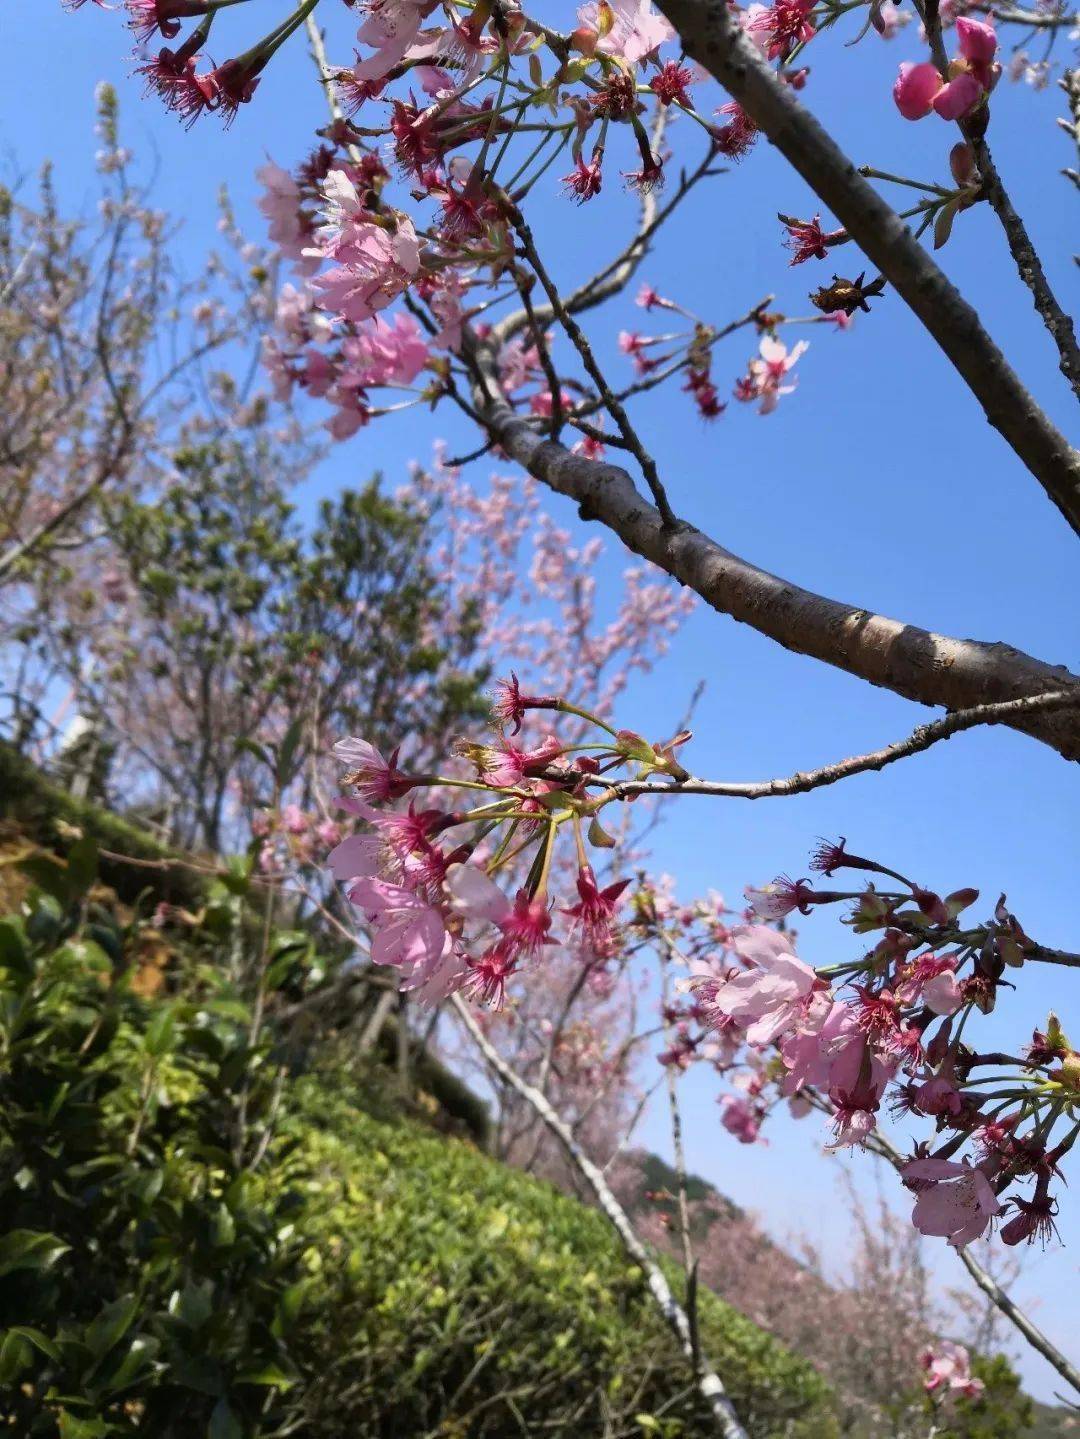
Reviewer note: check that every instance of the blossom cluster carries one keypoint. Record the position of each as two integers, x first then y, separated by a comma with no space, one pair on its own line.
414,191
292,836
889,1028
423,880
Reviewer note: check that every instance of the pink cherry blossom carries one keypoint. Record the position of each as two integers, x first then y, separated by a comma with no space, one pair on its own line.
852,1126
739,1118
409,933
942,993
377,257
776,30
288,228
595,910
978,40
524,922
769,371
357,857
770,998
959,97
954,1201
636,30
948,1365
376,778
921,88
390,30
915,89
938,1095
384,353
778,899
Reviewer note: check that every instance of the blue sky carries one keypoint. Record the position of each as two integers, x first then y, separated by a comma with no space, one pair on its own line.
877,482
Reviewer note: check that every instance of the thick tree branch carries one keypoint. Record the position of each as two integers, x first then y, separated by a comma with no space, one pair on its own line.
930,668
709,1384
714,40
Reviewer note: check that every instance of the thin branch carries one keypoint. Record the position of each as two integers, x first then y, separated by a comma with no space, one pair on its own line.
709,1384
713,38
878,1144
1029,266
1070,83
804,780
611,403
617,274
676,1123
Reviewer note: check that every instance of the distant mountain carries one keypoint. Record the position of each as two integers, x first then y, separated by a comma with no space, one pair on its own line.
1054,1422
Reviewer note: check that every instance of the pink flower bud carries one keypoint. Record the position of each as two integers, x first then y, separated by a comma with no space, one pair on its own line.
960,96
962,163
915,89
978,41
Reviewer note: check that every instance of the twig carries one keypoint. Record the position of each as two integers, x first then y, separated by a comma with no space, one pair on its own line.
877,1144
1029,266
931,668
611,403
800,783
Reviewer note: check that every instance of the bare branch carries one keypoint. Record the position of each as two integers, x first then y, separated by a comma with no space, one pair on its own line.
805,780
715,41
709,1384
613,405
1029,266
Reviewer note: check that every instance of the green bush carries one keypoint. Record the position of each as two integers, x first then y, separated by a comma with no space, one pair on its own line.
198,1242
467,1299
148,1278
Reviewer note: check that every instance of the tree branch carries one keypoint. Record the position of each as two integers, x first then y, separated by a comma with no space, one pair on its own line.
709,1384
1029,266
930,668
714,40
806,780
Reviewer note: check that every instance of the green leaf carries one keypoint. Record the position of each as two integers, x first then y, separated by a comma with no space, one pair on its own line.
193,1305
14,954
71,1427
248,746
287,752
224,1423
29,1249
944,222
160,1031
38,1340
14,1357
270,1376
48,874
138,1359
111,1325
237,877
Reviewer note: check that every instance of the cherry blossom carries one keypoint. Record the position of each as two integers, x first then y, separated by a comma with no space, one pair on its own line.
948,1366
629,29
953,1201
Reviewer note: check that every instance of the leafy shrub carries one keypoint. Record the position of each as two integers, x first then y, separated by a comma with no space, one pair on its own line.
466,1299
198,1242
148,1278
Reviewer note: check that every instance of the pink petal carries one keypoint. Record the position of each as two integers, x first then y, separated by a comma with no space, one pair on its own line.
915,88
956,99
978,41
